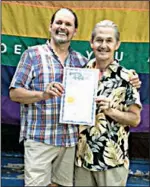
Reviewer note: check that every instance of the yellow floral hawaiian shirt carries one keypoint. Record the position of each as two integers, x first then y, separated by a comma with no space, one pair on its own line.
105,145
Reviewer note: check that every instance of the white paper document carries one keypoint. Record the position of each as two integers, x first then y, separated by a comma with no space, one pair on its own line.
78,102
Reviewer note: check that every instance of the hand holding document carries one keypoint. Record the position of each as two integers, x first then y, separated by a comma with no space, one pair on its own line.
103,102
78,103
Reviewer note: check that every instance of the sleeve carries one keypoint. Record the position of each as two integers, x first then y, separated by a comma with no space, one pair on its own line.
23,75
132,96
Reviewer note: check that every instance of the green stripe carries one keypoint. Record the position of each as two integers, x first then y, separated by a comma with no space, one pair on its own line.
131,55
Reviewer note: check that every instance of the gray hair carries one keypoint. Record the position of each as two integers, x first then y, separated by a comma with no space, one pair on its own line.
106,23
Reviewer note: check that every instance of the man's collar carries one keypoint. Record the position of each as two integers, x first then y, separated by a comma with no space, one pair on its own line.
113,66
51,49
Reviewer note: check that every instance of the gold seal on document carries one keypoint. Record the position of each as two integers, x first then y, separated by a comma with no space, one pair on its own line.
70,99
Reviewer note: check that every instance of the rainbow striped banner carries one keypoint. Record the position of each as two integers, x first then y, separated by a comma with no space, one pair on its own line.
25,23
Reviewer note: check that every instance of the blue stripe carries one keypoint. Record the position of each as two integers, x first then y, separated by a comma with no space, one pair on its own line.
7,74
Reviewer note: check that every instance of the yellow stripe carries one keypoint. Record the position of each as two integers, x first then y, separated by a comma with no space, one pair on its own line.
30,21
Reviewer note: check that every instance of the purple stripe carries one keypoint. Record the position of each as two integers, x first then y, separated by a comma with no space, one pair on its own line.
10,114
10,111
144,125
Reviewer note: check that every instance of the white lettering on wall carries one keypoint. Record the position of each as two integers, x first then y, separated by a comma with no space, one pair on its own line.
117,56
3,48
17,49
89,54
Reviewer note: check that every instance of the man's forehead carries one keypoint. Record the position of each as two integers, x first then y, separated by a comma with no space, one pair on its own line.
64,13
105,31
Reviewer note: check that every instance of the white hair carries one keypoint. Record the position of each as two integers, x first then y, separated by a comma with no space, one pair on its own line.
106,23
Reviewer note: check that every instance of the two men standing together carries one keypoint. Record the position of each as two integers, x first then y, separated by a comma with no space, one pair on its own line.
49,145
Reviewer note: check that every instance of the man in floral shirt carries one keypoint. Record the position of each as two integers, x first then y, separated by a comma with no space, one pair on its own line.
102,150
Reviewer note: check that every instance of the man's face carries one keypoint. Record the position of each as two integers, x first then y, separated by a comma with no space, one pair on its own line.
63,28
104,43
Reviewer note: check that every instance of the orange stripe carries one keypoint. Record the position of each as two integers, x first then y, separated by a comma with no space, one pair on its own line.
77,8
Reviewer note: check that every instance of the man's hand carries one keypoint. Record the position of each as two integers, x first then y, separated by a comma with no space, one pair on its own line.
53,89
134,79
103,102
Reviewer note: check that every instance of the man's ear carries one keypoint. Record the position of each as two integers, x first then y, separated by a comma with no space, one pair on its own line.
75,32
50,27
91,44
118,45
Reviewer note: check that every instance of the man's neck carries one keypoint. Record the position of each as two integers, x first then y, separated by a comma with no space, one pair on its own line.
59,49
103,65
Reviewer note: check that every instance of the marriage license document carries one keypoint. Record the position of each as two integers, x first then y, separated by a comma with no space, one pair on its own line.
78,101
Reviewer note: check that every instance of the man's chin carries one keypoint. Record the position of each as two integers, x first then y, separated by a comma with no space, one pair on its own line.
103,57
62,41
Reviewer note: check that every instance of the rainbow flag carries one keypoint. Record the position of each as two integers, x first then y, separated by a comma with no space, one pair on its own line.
26,23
